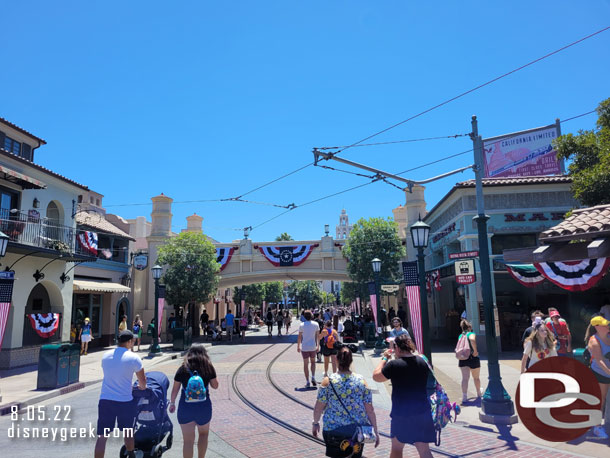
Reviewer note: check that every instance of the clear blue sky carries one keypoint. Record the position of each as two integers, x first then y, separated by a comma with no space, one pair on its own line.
205,100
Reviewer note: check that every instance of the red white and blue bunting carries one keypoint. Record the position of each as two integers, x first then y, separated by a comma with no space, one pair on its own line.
88,241
45,324
526,274
224,255
433,279
287,256
575,275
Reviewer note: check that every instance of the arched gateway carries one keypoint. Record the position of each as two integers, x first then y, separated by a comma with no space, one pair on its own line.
244,261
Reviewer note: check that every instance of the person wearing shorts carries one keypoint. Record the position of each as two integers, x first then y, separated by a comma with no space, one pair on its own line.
230,324
243,326
116,405
307,345
472,365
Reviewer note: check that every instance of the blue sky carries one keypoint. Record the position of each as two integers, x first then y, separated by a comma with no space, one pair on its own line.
207,100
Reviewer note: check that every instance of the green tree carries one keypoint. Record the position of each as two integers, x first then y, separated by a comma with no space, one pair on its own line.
589,153
192,273
274,291
307,293
254,294
373,238
283,236
350,291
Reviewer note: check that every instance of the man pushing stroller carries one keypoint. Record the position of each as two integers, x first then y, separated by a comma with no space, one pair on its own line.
116,405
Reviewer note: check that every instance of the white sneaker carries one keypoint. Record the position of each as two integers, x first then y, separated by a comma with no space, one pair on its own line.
599,431
464,398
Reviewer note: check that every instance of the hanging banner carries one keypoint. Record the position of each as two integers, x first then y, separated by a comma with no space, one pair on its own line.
223,256
7,279
526,274
287,256
161,306
575,275
358,308
88,241
373,298
45,324
521,154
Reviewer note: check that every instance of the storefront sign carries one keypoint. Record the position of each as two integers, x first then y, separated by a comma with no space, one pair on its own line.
140,262
444,233
464,254
523,217
464,272
526,153
390,288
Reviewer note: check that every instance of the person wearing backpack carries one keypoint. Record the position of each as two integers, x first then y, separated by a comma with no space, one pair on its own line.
411,419
269,322
470,364
597,339
194,378
328,337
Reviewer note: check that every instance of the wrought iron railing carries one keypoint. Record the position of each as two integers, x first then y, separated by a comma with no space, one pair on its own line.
29,229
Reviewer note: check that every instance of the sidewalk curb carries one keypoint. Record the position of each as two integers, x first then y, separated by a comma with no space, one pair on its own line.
6,408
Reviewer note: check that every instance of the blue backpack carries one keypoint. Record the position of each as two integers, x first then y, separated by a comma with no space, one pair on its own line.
195,390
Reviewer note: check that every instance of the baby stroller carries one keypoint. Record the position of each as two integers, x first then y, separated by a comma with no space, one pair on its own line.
349,332
152,422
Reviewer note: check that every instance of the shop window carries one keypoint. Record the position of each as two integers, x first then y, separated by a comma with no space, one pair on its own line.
88,306
501,242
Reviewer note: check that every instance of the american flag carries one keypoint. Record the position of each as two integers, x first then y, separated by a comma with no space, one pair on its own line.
373,297
411,279
6,295
161,306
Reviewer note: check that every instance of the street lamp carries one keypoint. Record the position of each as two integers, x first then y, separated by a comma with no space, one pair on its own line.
3,243
376,263
247,231
157,270
419,235
326,229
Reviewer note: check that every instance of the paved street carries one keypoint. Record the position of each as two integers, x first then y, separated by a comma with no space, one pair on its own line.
240,430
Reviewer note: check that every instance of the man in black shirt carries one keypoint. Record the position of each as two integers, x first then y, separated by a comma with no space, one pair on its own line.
402,314
204,319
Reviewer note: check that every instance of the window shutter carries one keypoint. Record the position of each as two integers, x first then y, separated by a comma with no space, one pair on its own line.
26,151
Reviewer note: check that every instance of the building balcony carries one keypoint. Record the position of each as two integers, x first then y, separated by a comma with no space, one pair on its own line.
41,233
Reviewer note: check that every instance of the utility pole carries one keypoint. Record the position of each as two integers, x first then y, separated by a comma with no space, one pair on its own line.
496,405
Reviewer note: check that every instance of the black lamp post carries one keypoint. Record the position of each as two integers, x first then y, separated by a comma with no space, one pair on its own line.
157,270
419,234
376,263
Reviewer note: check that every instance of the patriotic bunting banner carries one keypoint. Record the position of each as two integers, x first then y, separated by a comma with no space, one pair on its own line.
45,324
287,256
223,256
526,274
575,275
433,280
411,279
88,241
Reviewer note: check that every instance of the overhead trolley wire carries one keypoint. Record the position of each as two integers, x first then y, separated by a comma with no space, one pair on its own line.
480,86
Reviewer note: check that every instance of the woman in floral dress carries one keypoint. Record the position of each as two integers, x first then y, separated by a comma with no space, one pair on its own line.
539,345
339,424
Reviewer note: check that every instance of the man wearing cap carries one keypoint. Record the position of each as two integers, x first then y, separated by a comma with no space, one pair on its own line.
116,405
560,329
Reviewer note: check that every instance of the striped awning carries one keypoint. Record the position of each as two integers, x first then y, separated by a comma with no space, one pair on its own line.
100,286
24,180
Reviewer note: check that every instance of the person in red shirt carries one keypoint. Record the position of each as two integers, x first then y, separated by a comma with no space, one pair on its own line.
561,331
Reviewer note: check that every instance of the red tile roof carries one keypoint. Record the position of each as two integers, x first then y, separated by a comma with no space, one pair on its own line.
41,168
585,223
23,131
97,221
515,181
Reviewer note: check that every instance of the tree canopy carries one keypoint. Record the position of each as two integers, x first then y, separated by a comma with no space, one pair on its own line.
256,293
283,236
192,272
373,238
589,153
308,293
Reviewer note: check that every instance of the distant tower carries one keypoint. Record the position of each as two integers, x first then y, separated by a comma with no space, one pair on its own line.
344,228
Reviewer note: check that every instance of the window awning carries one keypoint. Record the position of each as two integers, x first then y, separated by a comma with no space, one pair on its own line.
100,286
26,181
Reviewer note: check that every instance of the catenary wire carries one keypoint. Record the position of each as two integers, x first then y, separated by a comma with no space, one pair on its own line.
395,141
480,86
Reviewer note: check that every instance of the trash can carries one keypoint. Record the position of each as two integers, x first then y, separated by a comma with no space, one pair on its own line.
53,366
178,339
368,329
74,370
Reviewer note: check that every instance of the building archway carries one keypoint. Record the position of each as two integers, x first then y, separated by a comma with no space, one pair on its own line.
123,307
44,298
54,221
